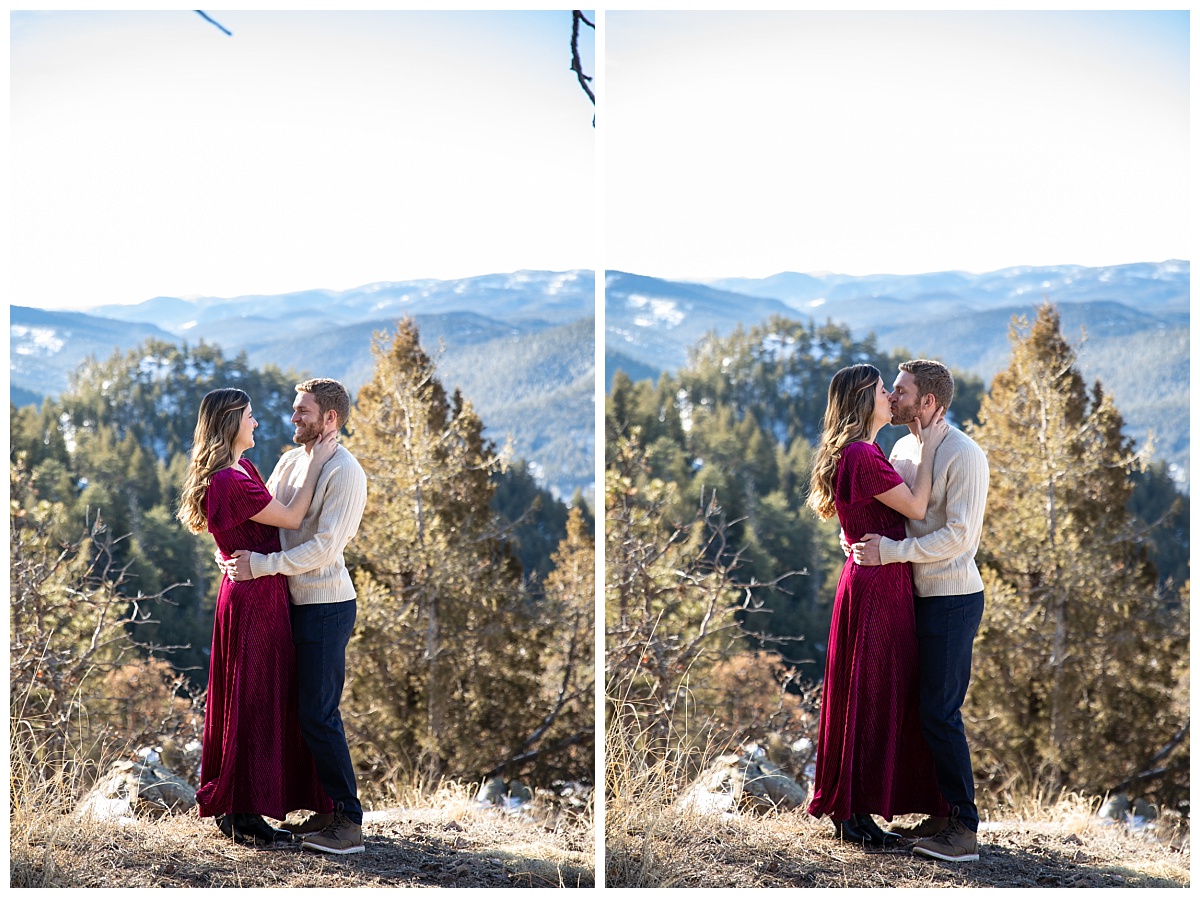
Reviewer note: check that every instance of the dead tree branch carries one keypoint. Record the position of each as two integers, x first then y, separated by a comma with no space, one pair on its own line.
577,16
209,18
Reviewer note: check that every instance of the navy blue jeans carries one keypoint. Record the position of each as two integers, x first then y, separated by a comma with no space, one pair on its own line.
946,628
320,634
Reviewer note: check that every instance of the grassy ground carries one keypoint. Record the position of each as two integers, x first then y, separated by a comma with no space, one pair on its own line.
445,842
1061,846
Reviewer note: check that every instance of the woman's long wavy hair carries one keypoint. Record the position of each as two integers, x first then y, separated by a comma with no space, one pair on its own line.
847,420
212,449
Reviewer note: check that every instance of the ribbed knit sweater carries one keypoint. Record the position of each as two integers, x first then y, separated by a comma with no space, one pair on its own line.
942,547
312,554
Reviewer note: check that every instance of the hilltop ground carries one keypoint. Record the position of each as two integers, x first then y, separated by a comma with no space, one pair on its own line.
459,844
791,849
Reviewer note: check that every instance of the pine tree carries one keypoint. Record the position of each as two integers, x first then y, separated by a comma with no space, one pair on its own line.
1073,675
537,521
563,745
445,659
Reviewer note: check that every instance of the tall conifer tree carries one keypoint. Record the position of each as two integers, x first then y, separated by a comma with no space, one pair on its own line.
1074,661
444,660
564,742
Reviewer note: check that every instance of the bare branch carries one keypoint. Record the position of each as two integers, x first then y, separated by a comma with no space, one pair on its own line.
577,16
209,18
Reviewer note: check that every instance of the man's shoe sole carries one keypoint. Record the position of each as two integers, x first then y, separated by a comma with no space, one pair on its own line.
945,857
353,849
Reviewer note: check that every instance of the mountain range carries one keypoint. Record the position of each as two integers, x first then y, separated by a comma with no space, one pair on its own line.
1128,323
520,346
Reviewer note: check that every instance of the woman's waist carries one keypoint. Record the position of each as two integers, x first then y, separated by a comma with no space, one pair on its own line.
266,547
894,531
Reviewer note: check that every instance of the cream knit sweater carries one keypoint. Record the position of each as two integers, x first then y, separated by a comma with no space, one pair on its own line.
942,547
312,555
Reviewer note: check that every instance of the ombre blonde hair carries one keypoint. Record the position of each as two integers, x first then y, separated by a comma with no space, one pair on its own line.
217,427
847,420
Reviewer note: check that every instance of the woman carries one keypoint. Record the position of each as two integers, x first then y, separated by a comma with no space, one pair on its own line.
254,760
871,755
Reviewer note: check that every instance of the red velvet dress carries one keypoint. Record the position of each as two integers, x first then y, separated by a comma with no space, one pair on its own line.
254,759
871,755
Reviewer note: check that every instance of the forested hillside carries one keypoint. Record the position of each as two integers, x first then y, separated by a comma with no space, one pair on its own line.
733,429
113,598
1129,325
520,345
719,581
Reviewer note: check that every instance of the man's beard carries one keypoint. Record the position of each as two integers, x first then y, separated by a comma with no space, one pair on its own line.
306,433
903,415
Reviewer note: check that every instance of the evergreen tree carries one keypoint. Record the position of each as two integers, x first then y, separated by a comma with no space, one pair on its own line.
1076,654
564,743
445,656
154,390
1162,514
537,521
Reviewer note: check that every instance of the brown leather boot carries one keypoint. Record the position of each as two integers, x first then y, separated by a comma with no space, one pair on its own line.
308,822
340,837
930,826
954,843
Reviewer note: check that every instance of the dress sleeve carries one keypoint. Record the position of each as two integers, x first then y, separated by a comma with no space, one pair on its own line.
234,496
864,473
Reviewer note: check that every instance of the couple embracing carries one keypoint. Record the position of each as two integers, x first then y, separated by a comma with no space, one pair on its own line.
273,738
908,605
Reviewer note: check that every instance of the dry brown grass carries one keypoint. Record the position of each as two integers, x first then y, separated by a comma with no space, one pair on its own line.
440,839
1028,842
794,850
421,847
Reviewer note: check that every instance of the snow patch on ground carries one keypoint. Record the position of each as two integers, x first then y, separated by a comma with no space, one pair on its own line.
655,311
37,340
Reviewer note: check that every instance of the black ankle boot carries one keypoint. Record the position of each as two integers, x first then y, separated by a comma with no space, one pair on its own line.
228,824
847,831
251,829
254,826
866,825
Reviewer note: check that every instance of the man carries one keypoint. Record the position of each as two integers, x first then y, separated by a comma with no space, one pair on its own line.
324,603
948,595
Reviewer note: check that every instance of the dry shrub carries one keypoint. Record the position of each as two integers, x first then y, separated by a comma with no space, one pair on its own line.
755,695
146,701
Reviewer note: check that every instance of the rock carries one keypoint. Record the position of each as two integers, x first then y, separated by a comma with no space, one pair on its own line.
718,789
520,792
1145,810
743,781
137,787
1116,807
776,786
162,791
493,791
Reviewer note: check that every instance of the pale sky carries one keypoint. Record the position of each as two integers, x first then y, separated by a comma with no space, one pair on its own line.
150,154
746,144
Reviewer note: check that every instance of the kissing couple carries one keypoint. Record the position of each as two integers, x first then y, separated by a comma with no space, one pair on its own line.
908,606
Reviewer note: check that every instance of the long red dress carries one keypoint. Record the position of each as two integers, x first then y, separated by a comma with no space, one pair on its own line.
871,755
254,759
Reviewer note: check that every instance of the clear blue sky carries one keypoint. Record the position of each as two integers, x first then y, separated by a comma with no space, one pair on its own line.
745,144
150,154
